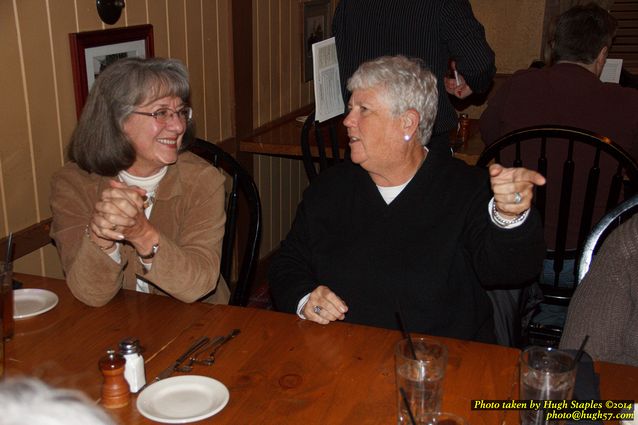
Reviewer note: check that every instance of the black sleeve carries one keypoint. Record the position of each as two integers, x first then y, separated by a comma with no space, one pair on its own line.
503,257
465,39
291,275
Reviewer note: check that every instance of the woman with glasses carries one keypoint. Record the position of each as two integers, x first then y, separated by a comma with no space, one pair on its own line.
132,209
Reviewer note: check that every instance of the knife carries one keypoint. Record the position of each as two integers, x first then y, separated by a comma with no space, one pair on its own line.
224,340
169,370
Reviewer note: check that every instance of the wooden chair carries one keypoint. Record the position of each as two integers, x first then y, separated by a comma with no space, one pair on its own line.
548,143
605,226
324,130
242,199
29,239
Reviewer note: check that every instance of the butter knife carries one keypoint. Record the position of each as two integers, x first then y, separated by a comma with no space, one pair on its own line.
169,370
222,341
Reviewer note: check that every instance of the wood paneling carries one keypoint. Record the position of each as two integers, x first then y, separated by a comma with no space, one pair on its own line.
38,114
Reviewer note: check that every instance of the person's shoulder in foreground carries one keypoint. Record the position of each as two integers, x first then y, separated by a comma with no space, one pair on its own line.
28,401
605,304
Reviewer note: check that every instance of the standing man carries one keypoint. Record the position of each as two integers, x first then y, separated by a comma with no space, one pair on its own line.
435,31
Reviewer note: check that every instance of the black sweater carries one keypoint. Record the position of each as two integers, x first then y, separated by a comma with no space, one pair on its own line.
431,249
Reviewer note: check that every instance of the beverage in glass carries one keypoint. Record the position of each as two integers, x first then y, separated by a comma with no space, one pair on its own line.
545,374
6,295
421,379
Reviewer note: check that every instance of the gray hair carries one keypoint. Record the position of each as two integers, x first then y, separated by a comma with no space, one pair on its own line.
405,84
98,144
28,401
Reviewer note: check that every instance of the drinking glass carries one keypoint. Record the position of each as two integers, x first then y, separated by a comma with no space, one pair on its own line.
421,379
6,309
445,418
545,374
6,293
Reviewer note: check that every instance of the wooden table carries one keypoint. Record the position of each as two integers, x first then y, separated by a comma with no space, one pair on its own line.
283,139
279,370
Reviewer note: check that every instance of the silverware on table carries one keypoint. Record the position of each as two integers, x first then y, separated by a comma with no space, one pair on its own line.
214,344
181,359
223,341
195,355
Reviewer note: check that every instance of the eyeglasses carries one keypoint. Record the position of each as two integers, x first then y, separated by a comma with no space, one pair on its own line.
164,115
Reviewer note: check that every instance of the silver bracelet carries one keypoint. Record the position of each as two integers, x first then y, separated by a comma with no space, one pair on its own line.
503,222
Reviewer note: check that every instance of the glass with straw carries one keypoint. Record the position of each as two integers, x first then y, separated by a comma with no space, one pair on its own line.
420,367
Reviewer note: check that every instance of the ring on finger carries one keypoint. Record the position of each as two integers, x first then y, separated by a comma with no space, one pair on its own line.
517,197
317,309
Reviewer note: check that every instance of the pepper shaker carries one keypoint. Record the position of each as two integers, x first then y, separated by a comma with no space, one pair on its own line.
134,367
115,390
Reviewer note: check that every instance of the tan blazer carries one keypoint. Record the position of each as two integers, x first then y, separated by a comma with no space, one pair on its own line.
189,214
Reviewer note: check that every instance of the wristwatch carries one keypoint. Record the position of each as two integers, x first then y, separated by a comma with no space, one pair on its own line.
151,254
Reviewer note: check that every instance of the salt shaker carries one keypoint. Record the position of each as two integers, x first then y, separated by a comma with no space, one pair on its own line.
134,368
115,391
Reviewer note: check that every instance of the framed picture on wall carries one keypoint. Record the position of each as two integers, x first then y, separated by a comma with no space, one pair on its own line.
92,51
315,24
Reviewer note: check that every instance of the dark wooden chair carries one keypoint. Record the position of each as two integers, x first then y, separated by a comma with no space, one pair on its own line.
243,199
320,133
605,226
583,159
27,240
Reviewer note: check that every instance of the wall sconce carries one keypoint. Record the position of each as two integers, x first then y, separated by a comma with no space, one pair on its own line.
109,10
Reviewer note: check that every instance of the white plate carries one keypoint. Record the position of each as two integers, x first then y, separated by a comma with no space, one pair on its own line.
182,399
31,302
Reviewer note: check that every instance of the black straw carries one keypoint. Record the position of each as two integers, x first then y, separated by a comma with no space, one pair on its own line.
407,405
580,351
405,332
7,255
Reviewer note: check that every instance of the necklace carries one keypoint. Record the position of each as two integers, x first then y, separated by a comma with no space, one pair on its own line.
149,199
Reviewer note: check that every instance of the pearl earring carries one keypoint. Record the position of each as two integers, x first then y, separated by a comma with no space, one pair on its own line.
406,137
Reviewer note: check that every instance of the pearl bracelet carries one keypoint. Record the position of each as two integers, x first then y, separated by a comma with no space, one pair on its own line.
504,222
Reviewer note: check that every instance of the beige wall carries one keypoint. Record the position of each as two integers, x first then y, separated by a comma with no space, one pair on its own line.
513,29
38,110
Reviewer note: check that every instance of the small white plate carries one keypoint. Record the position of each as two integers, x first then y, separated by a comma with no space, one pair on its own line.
182,399
31,302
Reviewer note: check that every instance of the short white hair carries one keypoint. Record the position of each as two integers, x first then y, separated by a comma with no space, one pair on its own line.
29,401
405,84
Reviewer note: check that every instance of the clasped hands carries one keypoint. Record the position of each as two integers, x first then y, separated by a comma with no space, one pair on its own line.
119,215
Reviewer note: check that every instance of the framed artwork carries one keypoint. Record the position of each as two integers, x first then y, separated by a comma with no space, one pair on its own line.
315,23
92,51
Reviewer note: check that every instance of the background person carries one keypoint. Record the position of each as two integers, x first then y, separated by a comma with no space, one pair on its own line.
435,31
404,225
132,209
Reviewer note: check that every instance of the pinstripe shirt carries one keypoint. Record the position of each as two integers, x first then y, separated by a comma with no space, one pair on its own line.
432,30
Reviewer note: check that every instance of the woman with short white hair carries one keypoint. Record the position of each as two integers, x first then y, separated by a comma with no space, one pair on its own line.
405,228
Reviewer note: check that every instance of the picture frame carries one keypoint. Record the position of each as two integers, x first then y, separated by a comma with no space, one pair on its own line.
92,51
316,18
